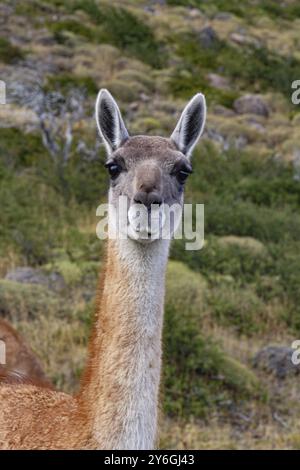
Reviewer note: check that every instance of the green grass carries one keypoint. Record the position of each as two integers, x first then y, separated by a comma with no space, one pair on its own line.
40,210
9,54
67,81
246,9
192,362
70,26
26,301
18,149
124,30
223,301
248,66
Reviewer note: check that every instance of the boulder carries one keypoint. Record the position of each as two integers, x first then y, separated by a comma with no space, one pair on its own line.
223,16
251,104
217,81
195,13
276,360
242,39
208,37
28,275
223,111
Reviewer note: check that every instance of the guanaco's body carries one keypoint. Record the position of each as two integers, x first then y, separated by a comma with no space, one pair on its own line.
117,405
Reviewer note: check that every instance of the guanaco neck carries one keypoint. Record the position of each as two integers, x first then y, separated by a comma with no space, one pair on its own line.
121,385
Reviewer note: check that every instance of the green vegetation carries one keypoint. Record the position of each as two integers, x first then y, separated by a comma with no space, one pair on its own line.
195,367
26,301
224,302
66,82
9,53
71,26
246,9
250,65
123,29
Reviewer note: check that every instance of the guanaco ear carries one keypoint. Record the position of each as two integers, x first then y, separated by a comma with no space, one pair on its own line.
190,125
109,121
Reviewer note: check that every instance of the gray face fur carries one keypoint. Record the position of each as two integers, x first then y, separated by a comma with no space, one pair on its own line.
148,170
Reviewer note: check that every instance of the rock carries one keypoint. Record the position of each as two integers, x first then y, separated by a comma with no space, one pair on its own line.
208,37
243,39
257,126
223,16
28,275
215,136
240,142
223,111
56,281
145,98
217,81
195,13
149,9
252,104
276,360
134,106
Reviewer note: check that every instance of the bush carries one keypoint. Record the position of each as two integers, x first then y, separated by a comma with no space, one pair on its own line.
231,260
66,82
246,9
71,26
9,53
27,301
18,149
240,308
246,219
33,218
248,64
197,373
126,31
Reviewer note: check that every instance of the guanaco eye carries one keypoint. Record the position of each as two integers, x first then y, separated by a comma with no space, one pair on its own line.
182,175
113,169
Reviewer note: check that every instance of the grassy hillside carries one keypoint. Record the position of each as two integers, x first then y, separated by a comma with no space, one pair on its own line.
225,302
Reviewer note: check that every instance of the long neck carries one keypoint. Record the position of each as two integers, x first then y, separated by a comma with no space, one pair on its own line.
121,386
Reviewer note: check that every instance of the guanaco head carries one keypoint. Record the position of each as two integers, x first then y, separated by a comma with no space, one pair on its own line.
149,172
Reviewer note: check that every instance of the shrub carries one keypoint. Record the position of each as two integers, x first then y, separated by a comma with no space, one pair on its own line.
18,149
249,64
33,218
197,373
9,53
71,26
27,301
240,308
233,260
126,31
246,9
66,82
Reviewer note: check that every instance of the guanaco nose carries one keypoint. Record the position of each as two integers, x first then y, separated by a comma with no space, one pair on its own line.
148,190
147,198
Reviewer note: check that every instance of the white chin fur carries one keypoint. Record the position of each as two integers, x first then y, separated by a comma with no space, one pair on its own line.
141,237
